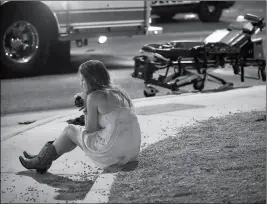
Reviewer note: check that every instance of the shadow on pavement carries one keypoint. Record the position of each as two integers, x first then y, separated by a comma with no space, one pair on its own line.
209,90
130,166
67,188
224,89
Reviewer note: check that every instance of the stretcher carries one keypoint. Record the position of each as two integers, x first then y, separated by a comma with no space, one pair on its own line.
180,63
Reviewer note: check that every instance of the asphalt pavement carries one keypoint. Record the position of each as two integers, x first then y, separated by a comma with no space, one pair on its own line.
55,91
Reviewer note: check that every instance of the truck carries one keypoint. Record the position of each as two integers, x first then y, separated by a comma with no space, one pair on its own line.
34,34
207,11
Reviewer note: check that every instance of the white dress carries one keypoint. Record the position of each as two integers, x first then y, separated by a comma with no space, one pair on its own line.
118,141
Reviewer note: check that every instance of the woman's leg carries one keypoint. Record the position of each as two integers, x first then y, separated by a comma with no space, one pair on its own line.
52,150
68,140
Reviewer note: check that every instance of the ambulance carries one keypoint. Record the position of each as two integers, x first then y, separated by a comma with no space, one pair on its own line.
35,33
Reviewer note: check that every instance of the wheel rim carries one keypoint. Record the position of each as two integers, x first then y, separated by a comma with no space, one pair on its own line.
21,42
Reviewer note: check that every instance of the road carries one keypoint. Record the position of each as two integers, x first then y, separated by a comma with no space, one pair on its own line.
56,91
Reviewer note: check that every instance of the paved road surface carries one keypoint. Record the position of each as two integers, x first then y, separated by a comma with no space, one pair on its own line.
53,92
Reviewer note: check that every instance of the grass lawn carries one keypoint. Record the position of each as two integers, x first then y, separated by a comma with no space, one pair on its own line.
221,160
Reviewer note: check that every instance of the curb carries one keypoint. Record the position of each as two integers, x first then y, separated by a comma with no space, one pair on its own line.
72,112
33,125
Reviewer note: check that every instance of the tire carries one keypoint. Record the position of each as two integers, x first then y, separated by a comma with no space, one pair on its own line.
36,52
206,14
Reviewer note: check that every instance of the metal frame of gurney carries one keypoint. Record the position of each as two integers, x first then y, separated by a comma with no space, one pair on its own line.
191,60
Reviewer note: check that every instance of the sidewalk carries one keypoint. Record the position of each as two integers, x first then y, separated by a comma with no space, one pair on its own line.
13,124
73,178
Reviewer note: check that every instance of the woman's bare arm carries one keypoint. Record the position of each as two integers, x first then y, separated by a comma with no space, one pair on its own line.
91,112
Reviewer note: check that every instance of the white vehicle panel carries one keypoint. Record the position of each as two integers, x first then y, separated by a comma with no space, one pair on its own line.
75,5
56,5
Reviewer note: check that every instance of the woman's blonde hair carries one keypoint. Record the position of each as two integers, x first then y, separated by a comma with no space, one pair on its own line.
97,77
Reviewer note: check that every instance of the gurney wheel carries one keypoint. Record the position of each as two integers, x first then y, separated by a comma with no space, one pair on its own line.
199,85
150,91
149,94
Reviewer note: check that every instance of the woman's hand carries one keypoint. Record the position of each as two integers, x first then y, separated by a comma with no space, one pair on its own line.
80,99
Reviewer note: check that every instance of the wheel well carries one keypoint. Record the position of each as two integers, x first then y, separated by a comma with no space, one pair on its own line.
45,12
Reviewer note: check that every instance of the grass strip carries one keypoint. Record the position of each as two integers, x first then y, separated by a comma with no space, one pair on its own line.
220,160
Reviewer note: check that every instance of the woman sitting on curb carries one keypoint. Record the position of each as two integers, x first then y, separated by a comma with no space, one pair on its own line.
111,135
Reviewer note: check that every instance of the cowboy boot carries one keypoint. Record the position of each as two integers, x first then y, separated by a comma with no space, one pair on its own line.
28,155
31,156
43,161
